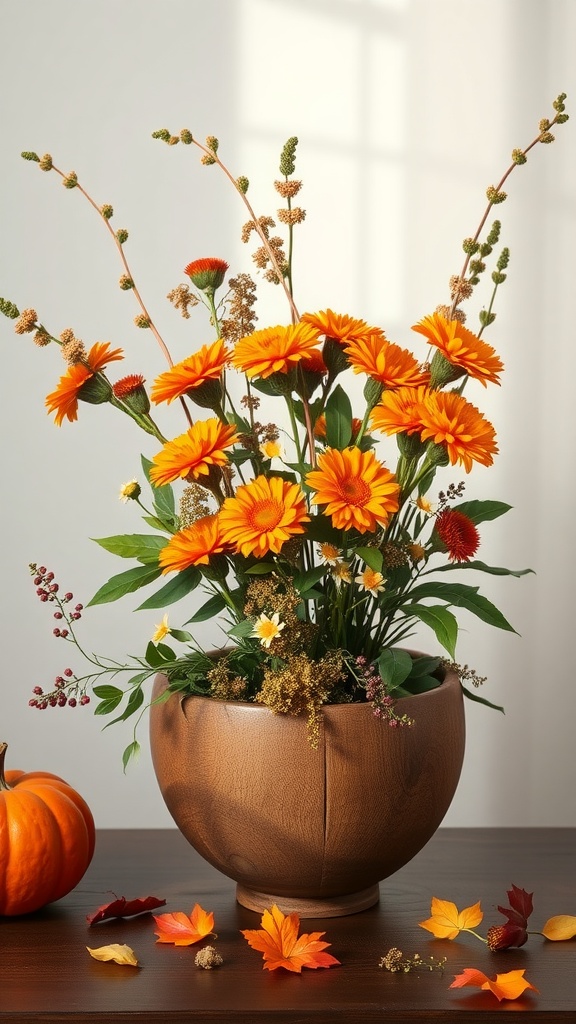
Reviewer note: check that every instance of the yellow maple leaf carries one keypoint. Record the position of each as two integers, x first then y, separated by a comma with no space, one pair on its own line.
447,922
119,954
559,928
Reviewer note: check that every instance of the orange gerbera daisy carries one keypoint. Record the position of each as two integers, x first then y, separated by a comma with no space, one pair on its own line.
386,362
448,419
193,453
461,347
358,491
339,326
263,515
274,349
397,411
205,365
64,400
194,545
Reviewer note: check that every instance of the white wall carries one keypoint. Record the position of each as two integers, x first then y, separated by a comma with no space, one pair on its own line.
406,110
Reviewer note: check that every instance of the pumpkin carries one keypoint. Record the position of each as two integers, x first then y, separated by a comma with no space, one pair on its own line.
47,839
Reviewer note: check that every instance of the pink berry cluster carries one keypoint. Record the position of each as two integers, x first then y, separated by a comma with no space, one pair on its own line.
382,702
67,688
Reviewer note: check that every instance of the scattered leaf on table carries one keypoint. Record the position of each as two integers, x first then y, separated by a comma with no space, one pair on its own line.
504,986
559,928
121,907
119,954
183,930
279,942
515,931
447,922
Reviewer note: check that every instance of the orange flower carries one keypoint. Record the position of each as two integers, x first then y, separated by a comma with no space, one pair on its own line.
461,347
274,349
207,273
278,940
182,930
358,491
397,411
448,419
263,515
205,365
193,453
504,986
387,363
64,400
194,545
339,326
458,534
447,922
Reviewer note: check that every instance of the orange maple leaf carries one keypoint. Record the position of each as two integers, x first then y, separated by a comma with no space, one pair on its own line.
504,986
183,930
446,922
279,942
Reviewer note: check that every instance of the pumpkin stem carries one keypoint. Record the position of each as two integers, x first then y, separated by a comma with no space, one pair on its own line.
3,783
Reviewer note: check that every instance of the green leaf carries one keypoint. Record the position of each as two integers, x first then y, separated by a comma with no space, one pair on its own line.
440,620
157,655
108,692
394,666
421,684
182,584
131,753
338,419
163,496
482,511
135,701
481,700
304,581
212,607
242,629
125,583
181,635
144,546
105,707
157,524
260,569
372,556
424,666
482,567
461,596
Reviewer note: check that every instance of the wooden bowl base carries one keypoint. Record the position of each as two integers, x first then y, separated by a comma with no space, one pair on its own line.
335,906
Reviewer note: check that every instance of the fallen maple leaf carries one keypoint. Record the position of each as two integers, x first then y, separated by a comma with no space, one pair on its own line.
447,922
559,928
279,942
183,930
119,954
121,907
503,986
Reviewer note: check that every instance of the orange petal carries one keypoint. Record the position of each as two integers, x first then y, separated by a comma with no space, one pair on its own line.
182,930
505,986
561,927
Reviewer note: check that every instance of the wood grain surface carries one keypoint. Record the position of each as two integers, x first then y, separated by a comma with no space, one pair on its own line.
47,975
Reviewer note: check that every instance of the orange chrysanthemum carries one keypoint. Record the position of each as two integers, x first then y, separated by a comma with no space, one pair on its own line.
339,326
397,411
461,347
386,362
64,400
357,490
194,545
263,515
193,453
448,419
205,365
274,349
458,534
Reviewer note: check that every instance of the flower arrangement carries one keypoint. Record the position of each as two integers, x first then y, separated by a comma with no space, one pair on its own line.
317,538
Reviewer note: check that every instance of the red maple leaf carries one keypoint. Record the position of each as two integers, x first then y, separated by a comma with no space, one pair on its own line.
281,946
121,907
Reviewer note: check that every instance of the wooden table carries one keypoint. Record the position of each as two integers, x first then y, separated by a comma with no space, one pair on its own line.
47,975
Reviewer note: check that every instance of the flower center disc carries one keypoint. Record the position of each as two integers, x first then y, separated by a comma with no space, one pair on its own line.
354,490
266,515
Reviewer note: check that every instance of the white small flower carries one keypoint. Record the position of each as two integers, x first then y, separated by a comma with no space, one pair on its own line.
341,572
329,554
266,628
371,581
